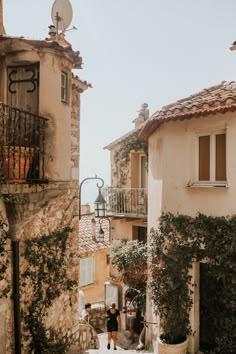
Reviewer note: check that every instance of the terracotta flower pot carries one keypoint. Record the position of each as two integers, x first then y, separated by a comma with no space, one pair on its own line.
15,162
180,348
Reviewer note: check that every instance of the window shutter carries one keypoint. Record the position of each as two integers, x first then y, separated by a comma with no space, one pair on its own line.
86,271
204,158
221,157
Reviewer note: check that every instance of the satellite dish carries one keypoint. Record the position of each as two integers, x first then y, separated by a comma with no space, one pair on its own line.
61,14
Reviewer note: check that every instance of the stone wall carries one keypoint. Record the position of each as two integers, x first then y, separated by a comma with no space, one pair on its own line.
39,214
84,336
97,319
3,317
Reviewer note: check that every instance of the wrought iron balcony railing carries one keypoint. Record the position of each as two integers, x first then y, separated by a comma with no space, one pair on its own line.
22,146
129,202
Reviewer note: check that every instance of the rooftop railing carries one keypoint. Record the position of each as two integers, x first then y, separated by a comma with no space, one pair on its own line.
22,146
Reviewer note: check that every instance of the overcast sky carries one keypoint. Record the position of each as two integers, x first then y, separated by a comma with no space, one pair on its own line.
134,51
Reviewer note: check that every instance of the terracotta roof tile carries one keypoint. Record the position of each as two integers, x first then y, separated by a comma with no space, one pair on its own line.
87,244
216,99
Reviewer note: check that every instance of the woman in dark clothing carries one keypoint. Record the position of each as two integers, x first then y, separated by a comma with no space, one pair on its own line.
113,325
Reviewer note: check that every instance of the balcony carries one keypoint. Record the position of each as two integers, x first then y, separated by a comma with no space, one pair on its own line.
22,146
126,202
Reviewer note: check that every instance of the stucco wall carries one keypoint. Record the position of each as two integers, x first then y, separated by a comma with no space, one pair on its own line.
172,172
95,292
172,168
121,229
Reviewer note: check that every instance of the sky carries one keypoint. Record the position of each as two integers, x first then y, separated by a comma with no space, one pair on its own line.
134,51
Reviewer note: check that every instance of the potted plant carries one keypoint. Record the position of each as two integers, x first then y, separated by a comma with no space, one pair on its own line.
170,287
17,143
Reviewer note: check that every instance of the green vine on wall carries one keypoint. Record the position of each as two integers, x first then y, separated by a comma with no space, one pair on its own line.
122,156
179,241
49,258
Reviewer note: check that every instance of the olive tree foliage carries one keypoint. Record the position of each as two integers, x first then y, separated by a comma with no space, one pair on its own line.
129,257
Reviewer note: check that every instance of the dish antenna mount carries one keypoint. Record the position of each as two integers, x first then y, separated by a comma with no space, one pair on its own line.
61,14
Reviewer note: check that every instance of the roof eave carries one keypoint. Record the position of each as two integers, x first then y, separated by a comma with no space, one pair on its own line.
153,124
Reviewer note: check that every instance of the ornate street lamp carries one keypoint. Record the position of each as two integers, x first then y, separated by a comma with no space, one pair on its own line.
99,209
101,231
100,204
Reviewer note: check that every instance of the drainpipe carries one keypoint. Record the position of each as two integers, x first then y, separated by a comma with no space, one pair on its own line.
16,295
11,215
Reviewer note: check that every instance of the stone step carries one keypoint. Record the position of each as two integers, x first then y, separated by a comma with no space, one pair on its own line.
104,351
122,340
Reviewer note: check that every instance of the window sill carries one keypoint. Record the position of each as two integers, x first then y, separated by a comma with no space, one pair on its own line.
87,285
208,185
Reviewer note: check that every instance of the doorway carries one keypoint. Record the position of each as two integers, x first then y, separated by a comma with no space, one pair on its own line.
211,291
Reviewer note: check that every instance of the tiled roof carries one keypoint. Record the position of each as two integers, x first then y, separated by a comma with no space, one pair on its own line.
87,243
216,99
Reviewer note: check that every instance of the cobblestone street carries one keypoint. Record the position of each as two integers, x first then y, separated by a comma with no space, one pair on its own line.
103,346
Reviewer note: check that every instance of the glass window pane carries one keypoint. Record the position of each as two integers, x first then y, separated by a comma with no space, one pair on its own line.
221,157
204,158
63,79
64,86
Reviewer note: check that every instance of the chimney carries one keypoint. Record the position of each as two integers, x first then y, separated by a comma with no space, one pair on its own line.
2,30
85,209
143,115
52,32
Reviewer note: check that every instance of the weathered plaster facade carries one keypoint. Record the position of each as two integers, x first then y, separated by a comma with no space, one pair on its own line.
173,173
36,209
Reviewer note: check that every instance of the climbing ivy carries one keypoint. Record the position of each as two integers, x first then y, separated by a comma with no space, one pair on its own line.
122,156
48,259
179,240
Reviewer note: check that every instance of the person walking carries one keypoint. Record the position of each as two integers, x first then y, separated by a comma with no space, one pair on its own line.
113,325
86,311
130,310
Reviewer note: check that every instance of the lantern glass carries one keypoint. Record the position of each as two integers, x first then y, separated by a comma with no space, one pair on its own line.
100,205
100,237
